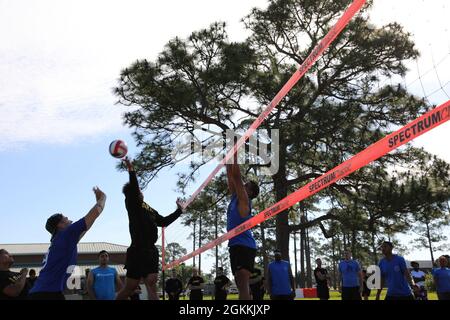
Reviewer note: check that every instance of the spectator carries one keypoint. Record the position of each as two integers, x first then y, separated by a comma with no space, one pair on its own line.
31,278
441,277
174,286
103,281
257,284
366,290
280,279
221,284
322,278
395,273
195,285
419,279
351,277
13,285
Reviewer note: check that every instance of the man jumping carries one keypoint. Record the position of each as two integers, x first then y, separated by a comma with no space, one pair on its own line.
62,254
142,255
242,248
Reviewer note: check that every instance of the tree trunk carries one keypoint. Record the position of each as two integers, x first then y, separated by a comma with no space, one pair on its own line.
199,245
374,249
333,249
308,261
193,244
216,231
430,244
264,249
302,257
295,260
353,244
280,185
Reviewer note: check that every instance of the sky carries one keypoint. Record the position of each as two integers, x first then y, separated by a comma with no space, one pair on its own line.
59,61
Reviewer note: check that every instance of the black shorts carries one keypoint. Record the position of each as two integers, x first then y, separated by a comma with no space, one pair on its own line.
46,296
242,257
323,292
351,293
141,262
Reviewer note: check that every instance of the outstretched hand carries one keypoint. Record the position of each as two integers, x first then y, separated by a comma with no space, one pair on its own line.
180,205
99,194
128,163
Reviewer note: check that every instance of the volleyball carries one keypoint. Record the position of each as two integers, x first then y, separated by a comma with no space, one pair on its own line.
118,149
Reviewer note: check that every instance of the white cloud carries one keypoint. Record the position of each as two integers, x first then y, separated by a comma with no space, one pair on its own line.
59,59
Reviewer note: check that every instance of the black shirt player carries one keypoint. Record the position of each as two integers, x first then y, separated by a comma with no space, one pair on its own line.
13,285
174,287
257,284
142,256
221,282
321,276
195,285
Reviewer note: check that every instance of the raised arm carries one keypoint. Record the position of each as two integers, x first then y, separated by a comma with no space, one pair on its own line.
134,190
165,221
231,188
96,210
239,188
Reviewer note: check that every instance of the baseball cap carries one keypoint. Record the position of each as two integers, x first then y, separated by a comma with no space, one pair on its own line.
52,223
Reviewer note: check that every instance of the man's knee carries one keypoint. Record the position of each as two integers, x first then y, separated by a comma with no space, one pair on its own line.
151,279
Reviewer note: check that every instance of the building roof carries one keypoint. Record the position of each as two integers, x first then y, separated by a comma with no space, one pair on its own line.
82,269
19,249
423,264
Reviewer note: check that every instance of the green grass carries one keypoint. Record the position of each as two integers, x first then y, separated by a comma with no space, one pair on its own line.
334,295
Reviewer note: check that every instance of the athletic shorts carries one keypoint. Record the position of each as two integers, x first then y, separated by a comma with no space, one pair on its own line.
141,262
46,296
242,257
394,298
351,293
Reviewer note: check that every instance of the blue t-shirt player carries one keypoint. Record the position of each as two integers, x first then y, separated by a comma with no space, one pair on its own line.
351,277
395,274
242,247
61,257
441,277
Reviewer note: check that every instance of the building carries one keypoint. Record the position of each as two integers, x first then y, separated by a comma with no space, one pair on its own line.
424,265
31,256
